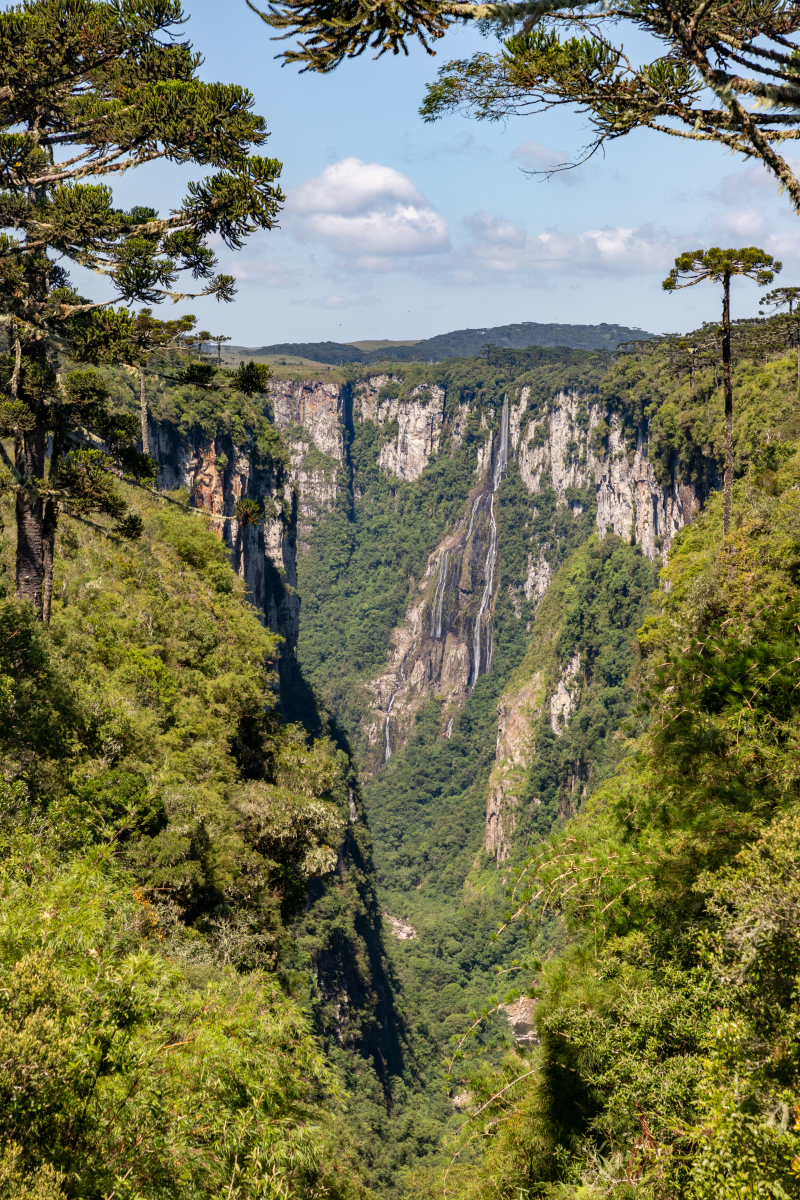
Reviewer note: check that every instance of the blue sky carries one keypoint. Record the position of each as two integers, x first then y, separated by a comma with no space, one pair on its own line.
394,228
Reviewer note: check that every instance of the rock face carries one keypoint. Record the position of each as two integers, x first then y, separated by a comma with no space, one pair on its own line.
217,475
403,930
571,453
518,713
412,426
560,450
312,418
316,407
446,642
521,1018
434,650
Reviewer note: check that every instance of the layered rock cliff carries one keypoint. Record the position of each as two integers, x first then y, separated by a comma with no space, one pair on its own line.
558,455
574,461
218,475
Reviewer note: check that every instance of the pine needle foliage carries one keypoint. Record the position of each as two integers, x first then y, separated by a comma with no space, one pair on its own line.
92,89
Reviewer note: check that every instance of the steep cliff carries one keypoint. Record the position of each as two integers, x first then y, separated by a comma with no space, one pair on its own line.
541,461
218,475
505,476
445,641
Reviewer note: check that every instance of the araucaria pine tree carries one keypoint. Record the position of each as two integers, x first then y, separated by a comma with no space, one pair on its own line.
786,298
720,266
92,88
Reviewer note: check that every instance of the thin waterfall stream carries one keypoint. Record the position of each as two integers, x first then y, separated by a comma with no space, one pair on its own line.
500,464
438,596
388,746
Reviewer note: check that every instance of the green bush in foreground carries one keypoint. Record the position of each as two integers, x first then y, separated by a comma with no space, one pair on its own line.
118,1078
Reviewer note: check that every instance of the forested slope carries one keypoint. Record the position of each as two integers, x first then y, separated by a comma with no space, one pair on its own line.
668,1056
628,450
192,881
161,826
459,343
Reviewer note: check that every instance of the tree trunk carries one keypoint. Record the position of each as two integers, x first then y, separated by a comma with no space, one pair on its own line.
727,502
29,455
48,545
49,526
143,405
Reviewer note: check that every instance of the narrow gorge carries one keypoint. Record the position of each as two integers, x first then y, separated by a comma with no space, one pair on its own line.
523,476
457,558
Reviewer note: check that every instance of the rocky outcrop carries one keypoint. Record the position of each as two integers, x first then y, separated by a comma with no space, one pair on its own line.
576,449
403,930
564,698
517,712
411,425
446,641
317,480
311,417
561,451
521,1018
631,503
316,407
217,475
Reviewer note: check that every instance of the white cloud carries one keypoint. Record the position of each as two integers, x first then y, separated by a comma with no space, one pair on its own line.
742,223
337,302
351,186
500,249
460,143
785,245
751,226
368,212
754,182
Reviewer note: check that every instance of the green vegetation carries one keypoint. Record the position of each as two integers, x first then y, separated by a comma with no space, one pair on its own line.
460,343
196,999
668,1058
63,67
427,805
529,333
160,830
335,353
122,1076
590,613
355,581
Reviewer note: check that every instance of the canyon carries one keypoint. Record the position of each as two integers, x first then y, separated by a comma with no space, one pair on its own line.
571,452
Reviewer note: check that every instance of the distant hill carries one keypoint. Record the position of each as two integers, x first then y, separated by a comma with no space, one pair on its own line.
323,352
463,342
370,344
519,337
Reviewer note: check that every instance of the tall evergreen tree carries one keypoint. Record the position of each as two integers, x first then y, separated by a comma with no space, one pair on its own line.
786,298
90,89
105,335
720,266
725,70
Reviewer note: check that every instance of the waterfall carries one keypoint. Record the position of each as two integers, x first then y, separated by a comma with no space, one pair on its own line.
438,596
478,499
388,750
500,464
